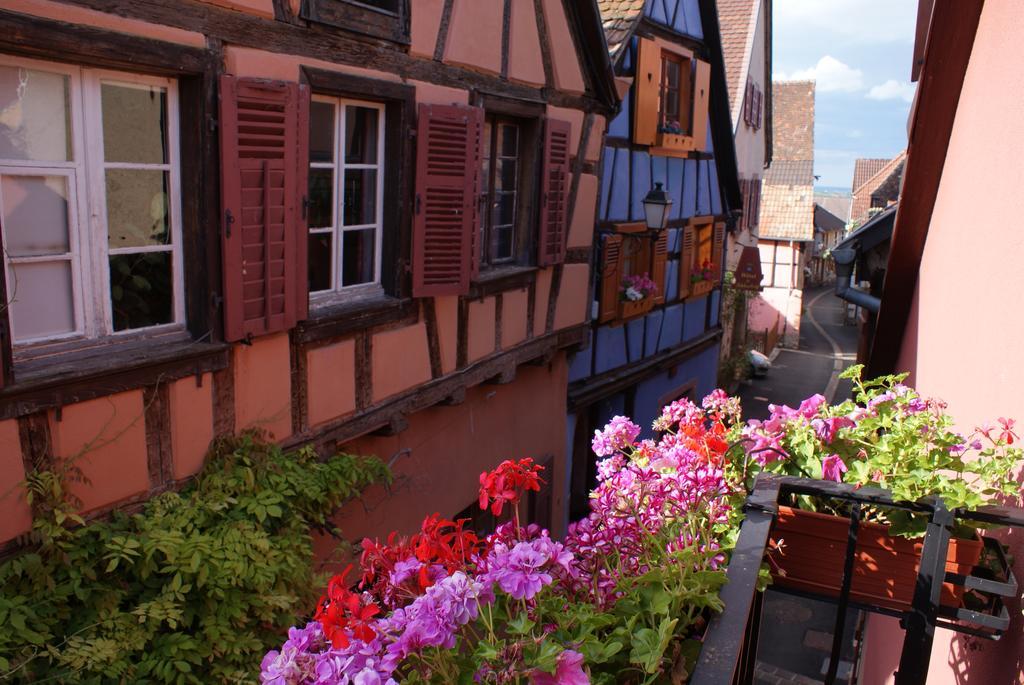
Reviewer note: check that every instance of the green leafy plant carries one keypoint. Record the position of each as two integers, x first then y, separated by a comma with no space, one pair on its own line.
193,589
891,437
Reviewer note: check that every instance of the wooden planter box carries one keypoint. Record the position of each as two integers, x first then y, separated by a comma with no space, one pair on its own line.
701,288
630,310
885,567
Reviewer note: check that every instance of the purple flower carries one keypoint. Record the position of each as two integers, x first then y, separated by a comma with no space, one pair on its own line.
826,429
283,668
568,671
525,569
404,570
915,405
833,468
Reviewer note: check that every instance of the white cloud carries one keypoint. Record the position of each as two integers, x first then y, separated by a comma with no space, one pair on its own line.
830,74
865,21
893,90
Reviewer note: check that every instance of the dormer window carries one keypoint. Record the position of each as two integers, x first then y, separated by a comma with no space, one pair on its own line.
671,101
676,85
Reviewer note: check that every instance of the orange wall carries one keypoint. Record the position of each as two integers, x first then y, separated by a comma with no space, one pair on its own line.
108,436
438,460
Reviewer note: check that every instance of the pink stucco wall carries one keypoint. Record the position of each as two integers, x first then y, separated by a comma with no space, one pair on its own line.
474,36
965,330
778,308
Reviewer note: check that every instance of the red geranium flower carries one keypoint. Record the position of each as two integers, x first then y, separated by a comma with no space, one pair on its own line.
342,611
507,483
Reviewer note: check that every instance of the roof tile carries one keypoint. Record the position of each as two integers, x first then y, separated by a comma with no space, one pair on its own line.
737,21
618,17
863,169
787,213
793,120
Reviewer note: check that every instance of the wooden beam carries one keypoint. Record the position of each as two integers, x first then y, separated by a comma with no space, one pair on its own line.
50,382
442,30
545,45
224,402
951,39
300,383
450,390
506,30
585,392
157,402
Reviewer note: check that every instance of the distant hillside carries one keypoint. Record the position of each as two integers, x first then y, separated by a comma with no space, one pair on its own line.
832,190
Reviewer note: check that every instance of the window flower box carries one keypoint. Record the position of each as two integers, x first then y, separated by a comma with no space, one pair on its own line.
629,309
891,438
813,556
701,288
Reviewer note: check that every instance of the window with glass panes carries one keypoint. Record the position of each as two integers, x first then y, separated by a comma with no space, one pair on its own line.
346,155
89,201
502,158
673,114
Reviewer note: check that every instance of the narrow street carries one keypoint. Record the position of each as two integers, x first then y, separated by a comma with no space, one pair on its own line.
795,650
827,346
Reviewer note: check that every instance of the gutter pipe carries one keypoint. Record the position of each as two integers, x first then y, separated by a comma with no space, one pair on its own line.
844,259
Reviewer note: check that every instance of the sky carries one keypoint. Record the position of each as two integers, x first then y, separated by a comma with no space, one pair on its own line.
859,52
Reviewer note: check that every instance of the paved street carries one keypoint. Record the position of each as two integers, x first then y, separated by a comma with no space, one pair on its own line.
795,648
797,374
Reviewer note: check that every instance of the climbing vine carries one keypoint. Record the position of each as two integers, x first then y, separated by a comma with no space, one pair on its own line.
193,589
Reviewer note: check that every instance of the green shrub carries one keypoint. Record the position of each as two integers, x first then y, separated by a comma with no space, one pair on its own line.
194,589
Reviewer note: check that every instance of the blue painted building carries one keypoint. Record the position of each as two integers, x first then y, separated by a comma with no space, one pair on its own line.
655,324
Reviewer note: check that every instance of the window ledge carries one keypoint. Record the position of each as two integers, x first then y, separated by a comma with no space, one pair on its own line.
335,320
499,280
104,368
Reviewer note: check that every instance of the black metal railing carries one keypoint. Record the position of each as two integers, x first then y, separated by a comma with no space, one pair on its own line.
729,652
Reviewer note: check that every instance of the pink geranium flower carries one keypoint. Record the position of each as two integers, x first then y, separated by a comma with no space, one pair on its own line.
833,468
568,672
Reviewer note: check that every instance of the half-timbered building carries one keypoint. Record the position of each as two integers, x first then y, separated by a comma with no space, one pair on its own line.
655,333
364,226
746,27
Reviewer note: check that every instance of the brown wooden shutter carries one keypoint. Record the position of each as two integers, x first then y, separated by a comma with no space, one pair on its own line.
718,251
447,194
701,93
554,206
748,103
611,277
647,85
659,260
686,261
262,229
302,212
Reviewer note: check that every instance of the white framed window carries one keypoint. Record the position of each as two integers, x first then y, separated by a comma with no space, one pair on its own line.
346,197
89,201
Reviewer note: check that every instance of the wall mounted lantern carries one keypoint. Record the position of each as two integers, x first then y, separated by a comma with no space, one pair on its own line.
657,204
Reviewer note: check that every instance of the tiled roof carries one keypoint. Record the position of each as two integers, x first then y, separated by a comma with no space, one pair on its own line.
835,203
737,20
793,120
786,172
619,17
863,192
787,213
863,169
826,220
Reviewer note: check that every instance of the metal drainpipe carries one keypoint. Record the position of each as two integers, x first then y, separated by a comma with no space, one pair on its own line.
844,259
